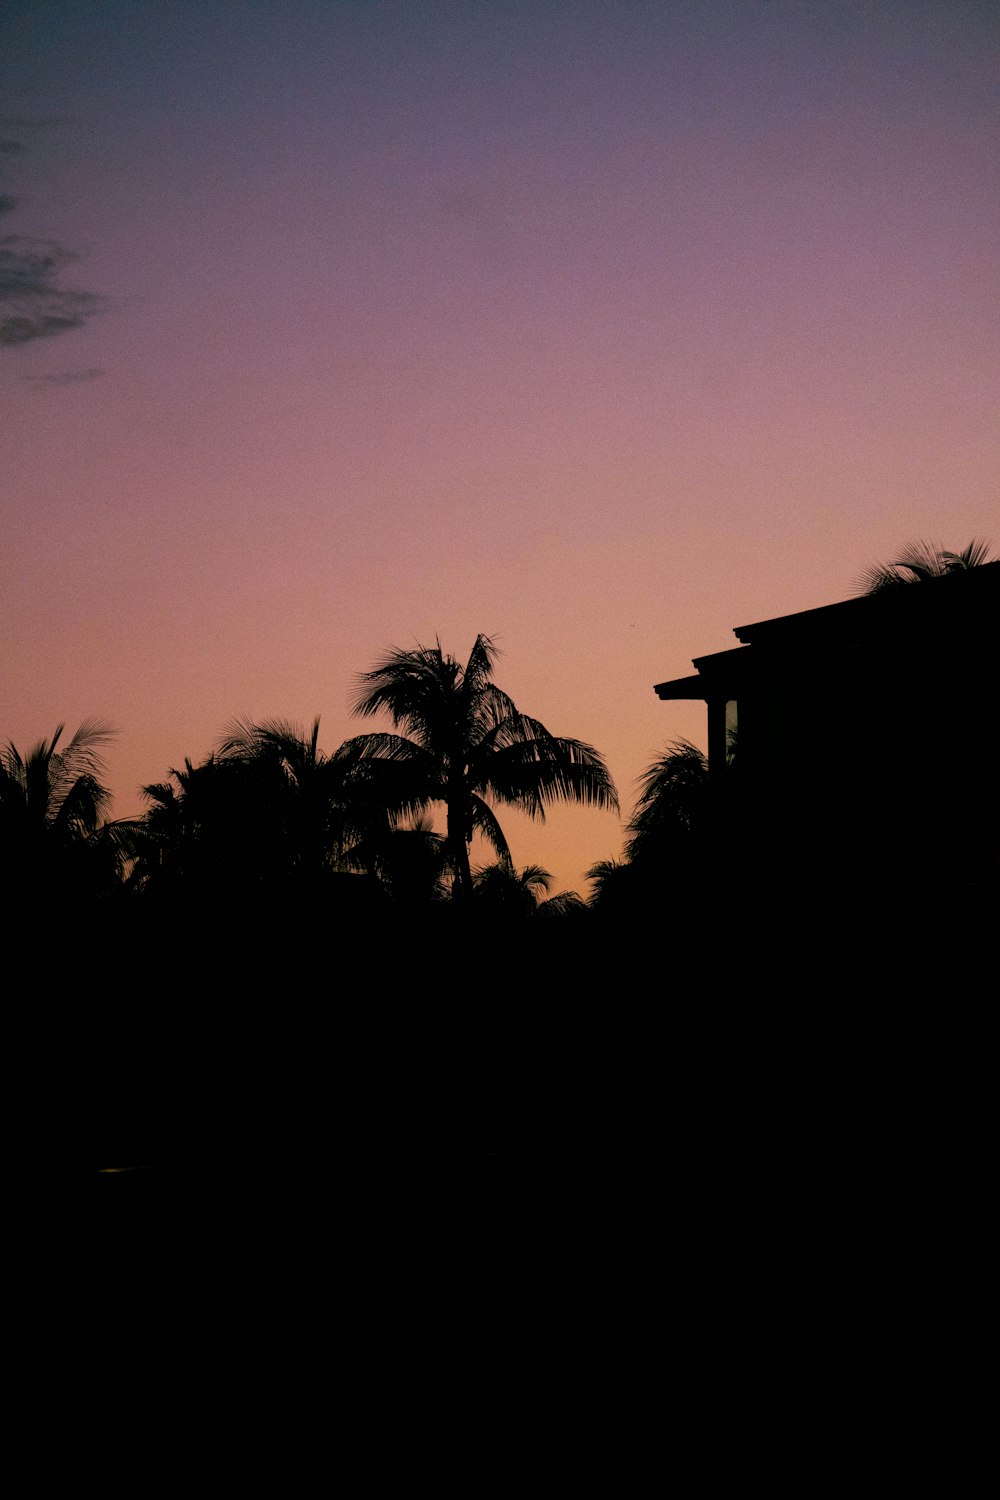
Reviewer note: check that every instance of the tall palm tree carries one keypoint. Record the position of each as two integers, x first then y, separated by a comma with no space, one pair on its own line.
921,561
466,745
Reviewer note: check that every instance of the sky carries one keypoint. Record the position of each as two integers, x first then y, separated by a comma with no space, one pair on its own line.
598,326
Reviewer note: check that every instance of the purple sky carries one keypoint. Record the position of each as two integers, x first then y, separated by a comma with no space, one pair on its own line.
603,327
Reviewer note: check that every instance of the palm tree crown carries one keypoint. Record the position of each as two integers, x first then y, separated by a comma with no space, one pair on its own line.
672,795
52,803
465,744
503,890
300,791
920,562
56,790
268,806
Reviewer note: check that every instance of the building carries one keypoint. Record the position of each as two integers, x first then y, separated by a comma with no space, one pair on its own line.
868,725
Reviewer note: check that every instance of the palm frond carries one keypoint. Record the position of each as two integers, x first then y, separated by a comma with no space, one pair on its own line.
479,668
84,749
516,891
275,739
878,577
484,821
973,556
160,792
919,562
480,701
682,767
82,807
126,835
671,795
241,739
609,878
565,904
506,726
60,787
390,770
487,714
81,758
484,875
410,861
412,687
384,747
921,559
530,775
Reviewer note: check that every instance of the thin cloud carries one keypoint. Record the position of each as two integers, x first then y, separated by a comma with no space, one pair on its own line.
32,122
65,377
33,303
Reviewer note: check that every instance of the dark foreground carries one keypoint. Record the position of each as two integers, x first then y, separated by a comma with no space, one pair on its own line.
791,1040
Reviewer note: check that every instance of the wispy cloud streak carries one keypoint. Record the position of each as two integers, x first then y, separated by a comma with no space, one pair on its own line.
64,377
33,302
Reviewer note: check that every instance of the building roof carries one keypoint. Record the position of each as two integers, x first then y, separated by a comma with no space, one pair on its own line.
850,623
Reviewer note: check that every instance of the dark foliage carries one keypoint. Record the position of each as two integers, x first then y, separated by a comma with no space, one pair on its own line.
466,746
920,562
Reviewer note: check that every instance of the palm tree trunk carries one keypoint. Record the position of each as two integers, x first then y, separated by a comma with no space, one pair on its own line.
458,846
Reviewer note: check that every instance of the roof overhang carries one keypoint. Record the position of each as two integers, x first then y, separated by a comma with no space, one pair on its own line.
719,676
681,687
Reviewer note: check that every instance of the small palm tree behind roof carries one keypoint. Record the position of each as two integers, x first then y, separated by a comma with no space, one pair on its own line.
921,561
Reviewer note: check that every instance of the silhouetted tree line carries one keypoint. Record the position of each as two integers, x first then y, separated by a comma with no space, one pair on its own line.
282,956
272,835
269,821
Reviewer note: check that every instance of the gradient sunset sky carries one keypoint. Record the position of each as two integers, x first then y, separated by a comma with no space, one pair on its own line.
601,326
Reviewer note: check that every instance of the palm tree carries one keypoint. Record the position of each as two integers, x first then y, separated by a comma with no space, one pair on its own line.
672,796
921,561
501,889
177,843
615,886
466,745
267,811
565,905
409,861
668,837
302,796
52,804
